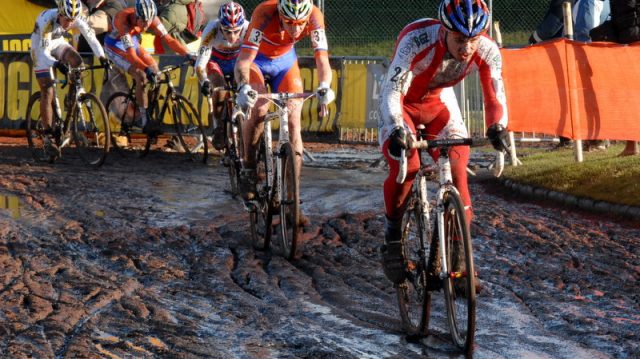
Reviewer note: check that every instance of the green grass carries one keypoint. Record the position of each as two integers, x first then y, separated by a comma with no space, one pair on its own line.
602,176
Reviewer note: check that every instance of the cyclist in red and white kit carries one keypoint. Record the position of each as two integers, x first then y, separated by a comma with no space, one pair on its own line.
219,48
429,58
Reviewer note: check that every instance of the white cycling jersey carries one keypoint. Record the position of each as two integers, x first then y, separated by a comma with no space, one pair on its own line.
213,43
48,36
421,64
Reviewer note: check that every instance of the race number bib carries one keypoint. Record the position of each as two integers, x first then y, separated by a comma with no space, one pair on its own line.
319,39
255,38
127,41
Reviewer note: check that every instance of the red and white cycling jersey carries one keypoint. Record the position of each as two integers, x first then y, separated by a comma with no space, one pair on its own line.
48,35
421,64
214,44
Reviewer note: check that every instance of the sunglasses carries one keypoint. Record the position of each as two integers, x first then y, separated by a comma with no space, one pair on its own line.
294,22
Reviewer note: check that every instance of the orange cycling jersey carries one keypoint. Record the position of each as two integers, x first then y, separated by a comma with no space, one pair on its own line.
125,34
266,35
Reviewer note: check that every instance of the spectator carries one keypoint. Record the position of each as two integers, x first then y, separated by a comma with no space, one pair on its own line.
100,17
552,24
623,28
588,14
174,17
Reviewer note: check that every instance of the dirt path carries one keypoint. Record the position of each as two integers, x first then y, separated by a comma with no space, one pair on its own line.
151,258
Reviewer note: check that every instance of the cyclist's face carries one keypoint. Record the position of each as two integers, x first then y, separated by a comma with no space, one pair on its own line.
143,24
294,27
231,34
462,47
66,22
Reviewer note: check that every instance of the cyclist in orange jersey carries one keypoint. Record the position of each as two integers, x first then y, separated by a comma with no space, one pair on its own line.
268,51
122,46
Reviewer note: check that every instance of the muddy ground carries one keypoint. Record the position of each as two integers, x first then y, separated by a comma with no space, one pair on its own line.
151,258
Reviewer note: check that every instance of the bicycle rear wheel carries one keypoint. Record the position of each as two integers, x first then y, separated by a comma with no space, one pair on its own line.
414,300
35,129
121,110
189,130
289,201
459,287
261,217
90,130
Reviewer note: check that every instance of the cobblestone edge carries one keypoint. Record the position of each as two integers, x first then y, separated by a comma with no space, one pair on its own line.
631,212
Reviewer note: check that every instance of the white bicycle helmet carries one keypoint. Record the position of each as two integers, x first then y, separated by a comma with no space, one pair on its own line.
146,10
69,8
295,9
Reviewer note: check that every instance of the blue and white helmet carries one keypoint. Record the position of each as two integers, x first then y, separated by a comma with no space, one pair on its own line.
69,8
231,15
146,10
468,17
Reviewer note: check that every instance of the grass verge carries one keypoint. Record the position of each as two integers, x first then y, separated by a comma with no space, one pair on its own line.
602,176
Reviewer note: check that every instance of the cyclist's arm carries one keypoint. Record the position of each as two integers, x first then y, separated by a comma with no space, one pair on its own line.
242,70
495,101
90,36
320,46
160,31
395,87
204,52
124,34
41,39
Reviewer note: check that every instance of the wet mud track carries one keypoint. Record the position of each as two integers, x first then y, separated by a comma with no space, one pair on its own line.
151,258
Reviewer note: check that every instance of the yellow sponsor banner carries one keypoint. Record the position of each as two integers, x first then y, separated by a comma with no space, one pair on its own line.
351,83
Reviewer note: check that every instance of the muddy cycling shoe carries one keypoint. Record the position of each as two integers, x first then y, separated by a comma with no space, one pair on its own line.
247,184
218,138
393,262
51,150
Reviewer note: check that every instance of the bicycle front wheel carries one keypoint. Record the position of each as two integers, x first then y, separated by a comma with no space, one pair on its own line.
459,286
121,110
261,216
90,130
414,299
289,201
189,130
232,147
35,129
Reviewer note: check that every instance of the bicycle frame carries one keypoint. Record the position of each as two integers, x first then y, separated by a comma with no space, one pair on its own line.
445,180
282,112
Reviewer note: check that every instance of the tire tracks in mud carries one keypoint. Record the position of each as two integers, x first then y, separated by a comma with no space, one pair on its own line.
165,268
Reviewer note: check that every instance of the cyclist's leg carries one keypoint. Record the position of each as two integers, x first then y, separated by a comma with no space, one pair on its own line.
216,77
395,199
442,117
141,96
251,131
288,80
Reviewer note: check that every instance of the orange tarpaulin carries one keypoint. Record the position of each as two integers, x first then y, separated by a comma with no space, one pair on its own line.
576,90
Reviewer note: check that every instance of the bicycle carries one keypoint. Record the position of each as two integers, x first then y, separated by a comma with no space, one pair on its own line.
231,118
277,189
429,248
85,123
186,122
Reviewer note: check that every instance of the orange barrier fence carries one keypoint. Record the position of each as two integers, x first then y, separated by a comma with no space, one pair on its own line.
576,90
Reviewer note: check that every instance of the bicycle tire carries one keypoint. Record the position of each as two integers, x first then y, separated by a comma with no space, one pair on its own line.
34,130
123,143
289,202
414,299
460,295
261,217
188,126
91,136
232,149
